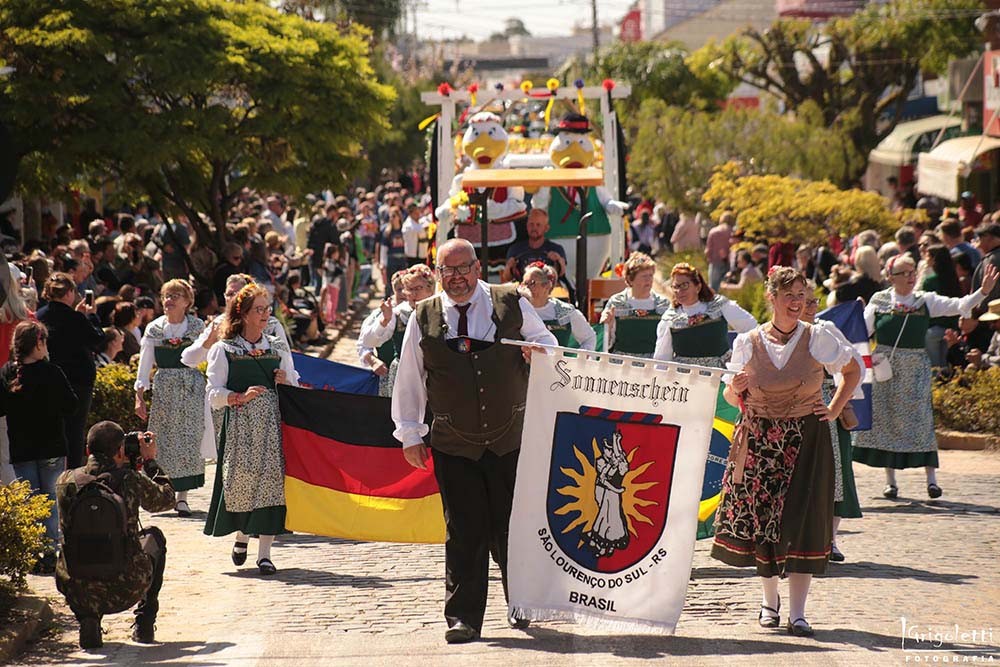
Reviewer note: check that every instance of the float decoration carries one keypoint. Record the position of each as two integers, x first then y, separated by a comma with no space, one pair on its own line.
445,166
582,106
573,211
485,142
553,86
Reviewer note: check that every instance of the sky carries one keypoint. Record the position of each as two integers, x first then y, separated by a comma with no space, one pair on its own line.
478,19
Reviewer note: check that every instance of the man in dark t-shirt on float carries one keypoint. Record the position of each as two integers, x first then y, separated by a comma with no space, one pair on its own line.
536,248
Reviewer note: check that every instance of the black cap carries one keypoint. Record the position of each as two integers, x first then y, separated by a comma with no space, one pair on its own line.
573,122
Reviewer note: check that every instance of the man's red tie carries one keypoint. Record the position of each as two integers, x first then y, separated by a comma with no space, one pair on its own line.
463,318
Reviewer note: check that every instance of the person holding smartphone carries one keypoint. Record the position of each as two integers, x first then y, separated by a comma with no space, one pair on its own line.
74,336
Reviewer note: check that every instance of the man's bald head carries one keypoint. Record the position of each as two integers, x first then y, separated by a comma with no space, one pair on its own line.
455,251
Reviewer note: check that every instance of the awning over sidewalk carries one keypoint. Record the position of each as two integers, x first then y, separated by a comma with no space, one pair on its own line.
907,140
938,171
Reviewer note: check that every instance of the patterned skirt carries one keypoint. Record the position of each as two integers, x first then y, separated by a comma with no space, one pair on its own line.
902,433
712,362
388,381
249,493
780,516
177,417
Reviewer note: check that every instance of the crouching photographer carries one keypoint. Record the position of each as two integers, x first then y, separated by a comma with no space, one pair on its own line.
108,562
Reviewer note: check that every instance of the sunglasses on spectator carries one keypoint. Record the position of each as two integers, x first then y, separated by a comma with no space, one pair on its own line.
680,287
906,274
461,269
537,281
261,310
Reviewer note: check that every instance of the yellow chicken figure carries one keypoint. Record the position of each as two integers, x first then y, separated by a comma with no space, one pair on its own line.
485,143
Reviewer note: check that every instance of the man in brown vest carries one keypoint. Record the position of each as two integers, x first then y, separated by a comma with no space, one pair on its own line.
453,362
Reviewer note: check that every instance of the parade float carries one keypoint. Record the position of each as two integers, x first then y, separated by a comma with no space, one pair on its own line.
484,166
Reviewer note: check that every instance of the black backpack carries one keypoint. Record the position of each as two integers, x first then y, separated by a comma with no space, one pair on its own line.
95,534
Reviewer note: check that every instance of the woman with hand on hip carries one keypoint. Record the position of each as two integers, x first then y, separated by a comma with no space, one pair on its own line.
566,323
777,504
632,315
695,328
244,369
902,433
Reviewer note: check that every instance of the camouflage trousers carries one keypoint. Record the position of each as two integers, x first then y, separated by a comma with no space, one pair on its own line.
139,582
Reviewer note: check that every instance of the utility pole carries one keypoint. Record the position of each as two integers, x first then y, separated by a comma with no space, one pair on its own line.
594,30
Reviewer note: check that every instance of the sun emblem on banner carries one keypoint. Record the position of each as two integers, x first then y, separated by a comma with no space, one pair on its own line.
609,485
583,493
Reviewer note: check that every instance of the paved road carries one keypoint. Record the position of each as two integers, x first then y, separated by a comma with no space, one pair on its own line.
340,602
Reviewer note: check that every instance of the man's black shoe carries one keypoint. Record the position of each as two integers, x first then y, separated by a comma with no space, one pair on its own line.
460,633
517,623
143,631
90,633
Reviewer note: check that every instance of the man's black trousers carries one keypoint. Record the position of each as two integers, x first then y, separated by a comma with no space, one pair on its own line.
477,497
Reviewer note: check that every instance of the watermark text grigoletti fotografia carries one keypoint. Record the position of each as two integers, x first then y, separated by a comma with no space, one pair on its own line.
926,644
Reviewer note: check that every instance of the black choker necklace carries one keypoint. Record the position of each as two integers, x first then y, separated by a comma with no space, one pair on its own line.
783,333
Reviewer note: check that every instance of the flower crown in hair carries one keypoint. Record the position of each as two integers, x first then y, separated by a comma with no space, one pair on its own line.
538,264
247,292
773,270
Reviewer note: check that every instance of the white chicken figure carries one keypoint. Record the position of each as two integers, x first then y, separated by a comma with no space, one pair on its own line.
485,142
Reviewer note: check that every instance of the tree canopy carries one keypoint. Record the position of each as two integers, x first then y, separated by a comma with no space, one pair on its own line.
379,16
655,70
676,151
187,101
795,209
857,69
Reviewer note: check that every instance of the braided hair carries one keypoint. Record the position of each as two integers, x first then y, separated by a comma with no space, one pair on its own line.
27,336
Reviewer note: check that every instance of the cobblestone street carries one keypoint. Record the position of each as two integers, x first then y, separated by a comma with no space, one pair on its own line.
933,564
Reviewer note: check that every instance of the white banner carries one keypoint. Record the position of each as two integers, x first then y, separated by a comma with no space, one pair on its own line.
608,486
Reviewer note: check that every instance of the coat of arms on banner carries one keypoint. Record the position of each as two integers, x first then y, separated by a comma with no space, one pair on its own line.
609,486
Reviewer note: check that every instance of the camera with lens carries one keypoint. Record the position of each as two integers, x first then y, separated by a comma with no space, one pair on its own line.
133,442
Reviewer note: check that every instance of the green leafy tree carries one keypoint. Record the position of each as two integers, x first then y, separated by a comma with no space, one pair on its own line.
655,70
858,70
379,16
187,101
403,142
676,151
795,209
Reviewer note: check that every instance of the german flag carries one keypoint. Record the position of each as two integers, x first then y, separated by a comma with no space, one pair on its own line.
345,475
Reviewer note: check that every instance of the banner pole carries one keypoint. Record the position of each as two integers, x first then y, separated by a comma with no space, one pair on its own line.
701,370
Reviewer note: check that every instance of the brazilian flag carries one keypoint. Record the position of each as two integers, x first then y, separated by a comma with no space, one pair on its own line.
718,453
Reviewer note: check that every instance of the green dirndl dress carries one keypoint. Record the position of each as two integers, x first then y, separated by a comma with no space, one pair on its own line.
703,344
845,492
249,493
178,422
902,433
559,326
635,328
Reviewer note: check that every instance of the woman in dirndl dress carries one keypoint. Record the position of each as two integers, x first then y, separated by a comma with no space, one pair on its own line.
695,328
777,504
902,433
176,412
845,493
197,354
566,323
632,315
384,332
244,369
